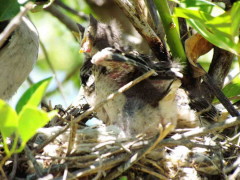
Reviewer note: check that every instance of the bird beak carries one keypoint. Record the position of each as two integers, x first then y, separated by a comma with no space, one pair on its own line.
86,45
81,50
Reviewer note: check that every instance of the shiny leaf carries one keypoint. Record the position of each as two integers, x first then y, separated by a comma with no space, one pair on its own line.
33,95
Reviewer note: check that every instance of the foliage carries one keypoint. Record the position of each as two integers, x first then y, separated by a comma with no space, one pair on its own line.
232,89
33,95
23,123
10,8
219,27
213,23
172,35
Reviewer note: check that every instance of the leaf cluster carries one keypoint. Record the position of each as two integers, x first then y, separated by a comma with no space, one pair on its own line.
21,124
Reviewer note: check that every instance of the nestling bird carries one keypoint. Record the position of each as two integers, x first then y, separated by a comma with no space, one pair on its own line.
108,67
17,57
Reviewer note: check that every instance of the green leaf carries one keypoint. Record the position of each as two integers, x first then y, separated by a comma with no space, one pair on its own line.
31,119
192,14
232,89
8,9
172,36
216,39
123,178
221,24
235,11
201,5
8,126
8,120
33,95
222,30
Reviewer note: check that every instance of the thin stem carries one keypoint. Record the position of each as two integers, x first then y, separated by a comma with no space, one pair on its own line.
53,70
221,97
37,167
71,10
172,35
73,72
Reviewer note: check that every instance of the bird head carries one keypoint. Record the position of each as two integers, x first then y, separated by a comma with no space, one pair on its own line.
97,36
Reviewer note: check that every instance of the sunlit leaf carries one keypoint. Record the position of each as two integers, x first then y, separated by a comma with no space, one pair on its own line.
201,5
8,120
232,89
220,30
221,24
235,11
123,178
33,95
31,119
192,14
215,38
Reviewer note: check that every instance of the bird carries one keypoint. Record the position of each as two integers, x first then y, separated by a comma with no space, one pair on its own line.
108,66
17,57
98,36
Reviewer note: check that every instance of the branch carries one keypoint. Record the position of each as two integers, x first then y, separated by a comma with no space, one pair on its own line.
144,29
172,35
202,131
73,11
69,23
220,65
145,169
140,153
156,20
219,94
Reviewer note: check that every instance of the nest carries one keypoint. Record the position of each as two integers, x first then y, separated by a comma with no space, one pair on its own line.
79,152
67,148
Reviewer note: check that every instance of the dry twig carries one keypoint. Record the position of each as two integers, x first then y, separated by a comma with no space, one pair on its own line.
140,153
142,168
112,156
144,29
37,167
14,168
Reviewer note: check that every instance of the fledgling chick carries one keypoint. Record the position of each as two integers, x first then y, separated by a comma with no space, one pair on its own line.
142,108
94,38
145,106
17,57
